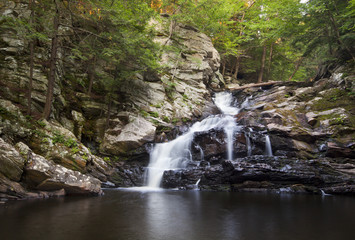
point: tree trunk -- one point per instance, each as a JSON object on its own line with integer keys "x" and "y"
{"x": 29, "y": 93}
{"x": 269, "y": 63}
{"x": 260, "y": 78}
{"x": 52, "y": 65}
{"x": 237, "y": 65}
{"x": 223, "y": 66}
{"x": 338, "y": 35}
{"x": 91, "y": 73}
{"x": 298, "y": 64}
{"x": 108, "y": 113}
{"x": 330, "y": 48}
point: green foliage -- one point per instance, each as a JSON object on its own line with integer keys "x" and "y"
{"x": 157, "y": 105}
{"x": 118, "y": 37}
{"x": 4, "y": 113}
{"x": 75, "y": 150}
{"x": 335, "y": 98}
{"x": 166, "y": 119}
{"x": 327, "y": 30}
{"x": 154, "y": 114}
{"x": 58, "y": 138}
{"x": 39, "y": 133}
{"x": 71, "y": 143}
{"x": 85, "y": 157}
{"x": 41, "y": 123}
{"x": 144, "y": 113}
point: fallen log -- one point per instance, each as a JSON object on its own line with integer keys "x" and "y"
{"x": 252, "y": 85}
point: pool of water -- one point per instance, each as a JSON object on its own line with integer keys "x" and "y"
{"x": 188, "y": 215}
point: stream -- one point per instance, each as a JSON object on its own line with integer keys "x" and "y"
{"x": 173, "y": 215}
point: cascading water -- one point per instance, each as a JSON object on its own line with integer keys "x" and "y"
{"x": 224, "y": 101}
{"x": 268, "y": 149}
{"x": 176, "y": 153}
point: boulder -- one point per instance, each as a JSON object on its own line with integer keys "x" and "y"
{"x": 11, "y": 161}
{"x": 262, "y": 173}
{"x": 133, "y": 135}
{"x": 41, "y": 174}
{"x": 335, "y": 149}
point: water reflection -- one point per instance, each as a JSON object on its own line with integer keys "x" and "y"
{"x": 177, "y": 215}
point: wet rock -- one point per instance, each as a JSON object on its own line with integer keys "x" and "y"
{"x": 261, "y": 173}
{"x": 132, "y": 136}
{"x": 340, "y": 150}
{"x": 41, "y": 174}
{"x": 278, "y": 128}
{"x": 128, "y": 175}
{"x": 11, "y": 190}
{"x": 340, "y": 189}
{"x": 79, "y": 121}
{"x": 11, "y": 162}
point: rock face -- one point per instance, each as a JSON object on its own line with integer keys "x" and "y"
{"x": 146, "y": 108}
{"x": 304, "y": 121}
{"x": 310, "y": 129}
{"x": 41, "y": 174}
{"x": 11, "y": 161}
{"x": 275, "y": 174}
{"x": 133, "y": 135}
{"x": 179, "y": 93}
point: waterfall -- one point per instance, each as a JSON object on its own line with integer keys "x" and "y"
{"x": 224, "y": 101}
{"x": 197, "y": 182}
{"x": 268, "y": 149}
{"x": 248, "y": 144}
{"x": 176, "y": 153}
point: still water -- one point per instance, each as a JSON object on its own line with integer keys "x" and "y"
{"x": 188, "y": 215}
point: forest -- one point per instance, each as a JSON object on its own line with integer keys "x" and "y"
{"x": 177, "y": 119}
{"x": 257, "y": 41}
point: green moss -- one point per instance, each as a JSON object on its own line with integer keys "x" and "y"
{"x": 185, "y": 120}
{"x": 174, "y": 120}
{"x": 156, "y": 105}
{"x": 58, "y": 138}
{"x": 41, "y": 123}
{"x": 71, "y": 143}
{"x": 155, "y": 121}
{"x": 144, "y": 113}
{"x": 335, "y": 98}
{"x": 5, "y": 114}
{"x": 166, "y": 119}
{"x": 163, "y": 129}
{"x": 39, "y": 133}
{"x": 75, "y": 150}
{"x": 154, "y": 114}
{"x": 85, "y": 157}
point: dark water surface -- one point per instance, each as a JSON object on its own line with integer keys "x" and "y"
{"x": 188, "y": 215}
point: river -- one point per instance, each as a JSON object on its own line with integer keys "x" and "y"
{"x": 172, "y": 215}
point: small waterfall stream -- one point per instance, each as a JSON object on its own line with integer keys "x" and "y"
{"x": 268, "y": 149}
{"x": 177, "y": 154}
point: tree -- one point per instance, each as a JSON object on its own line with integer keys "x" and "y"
{"x": 52, "y": 62}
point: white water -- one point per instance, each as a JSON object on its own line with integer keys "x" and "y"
{"x": 248, "y": 144}
{"x": 176, "y": 153}
{"x": 196, "y": 184}
{"x": 224, "y": 101}
{"x": 268, "y": 149}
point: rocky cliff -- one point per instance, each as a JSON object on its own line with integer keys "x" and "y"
{"x": 87, "y": 140}
{"x": 90, "y": 142}
{"x": 311, "y": 131}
